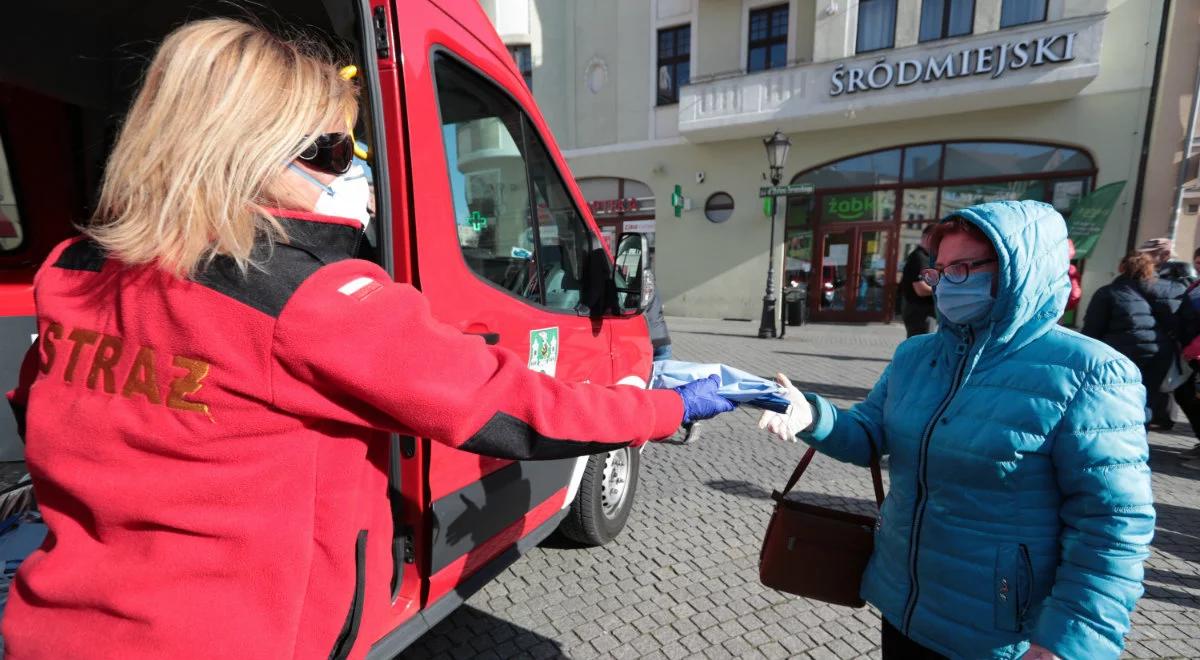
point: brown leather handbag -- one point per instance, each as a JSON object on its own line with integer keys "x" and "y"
{"x": 816, "y": 552}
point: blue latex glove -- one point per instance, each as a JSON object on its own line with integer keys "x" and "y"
{"x": 701, "y": 401}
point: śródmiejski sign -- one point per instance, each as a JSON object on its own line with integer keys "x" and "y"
{"x": 990, "y": 60}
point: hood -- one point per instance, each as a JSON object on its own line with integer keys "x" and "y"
{"x": 1032, "y": 284}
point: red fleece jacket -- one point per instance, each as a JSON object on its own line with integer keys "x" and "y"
{"x": 198, "y": 448}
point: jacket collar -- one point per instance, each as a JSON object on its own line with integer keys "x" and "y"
{"x": 329, "y": 238}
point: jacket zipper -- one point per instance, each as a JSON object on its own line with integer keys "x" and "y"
{"x": 964, "y": 351}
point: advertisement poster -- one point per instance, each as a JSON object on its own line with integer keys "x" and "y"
{"x": 1089, "y": 216}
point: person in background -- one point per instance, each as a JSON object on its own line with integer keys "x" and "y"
{"x": 1020, "y": 509}
{"x": 1132, "y": 315}
{"x": 213, "y": 367}
{"x": 1196, "y": 260}
{"x": 1073, "y": 275}
{"x": 1175, "y": 276}
{"x": 919, "y": 317}
{"x": 1187, "y": 323}
{"x": 660, "y": 340}
{"x": 1167, "y": 265}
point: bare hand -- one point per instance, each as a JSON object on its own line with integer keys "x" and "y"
{"x": 1036, "y": 652}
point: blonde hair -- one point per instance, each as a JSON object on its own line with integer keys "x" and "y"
{"x": 224, "y": 107}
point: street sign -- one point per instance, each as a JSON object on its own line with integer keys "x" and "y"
{"x": 677, "y": 200}
{"x": 780, "y": 191}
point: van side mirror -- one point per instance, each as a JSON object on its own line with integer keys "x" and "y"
{"x": 631, "y": 275}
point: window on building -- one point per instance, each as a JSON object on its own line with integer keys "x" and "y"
{"x": 674, "y": 62}
{"x": 523, "y": 56}
{"x": 876, "y": 25}
{"x": 518, "y": 226}
{"x": 11, "y": 234}
{"x": 1021, "y": 12}
{"x": 768, "y": 34}
{"x": 942, "y": 19}
{"x": 719, "y": 207}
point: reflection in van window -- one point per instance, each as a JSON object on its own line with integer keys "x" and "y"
{"x": 534, "y": 245}
{"x": 11, "y": 234}
{"x": 481, "y": 130}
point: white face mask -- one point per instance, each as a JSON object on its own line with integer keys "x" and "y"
{"x": 345, "y": 196}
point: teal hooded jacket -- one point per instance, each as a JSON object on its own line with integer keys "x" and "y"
{"x": 1019, "y": 506}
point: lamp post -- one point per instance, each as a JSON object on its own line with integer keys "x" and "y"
{"x": 777, "y": 152}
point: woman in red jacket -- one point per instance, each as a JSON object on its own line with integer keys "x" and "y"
{"x": 212, "y": 364}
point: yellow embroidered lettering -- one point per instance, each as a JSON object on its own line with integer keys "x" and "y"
{"x": 188, "y": 384}
{"x": 142, "y": 379}
{"x": 82, "y": 338}
{"x": 108, "y": 352}
{"x": 49, "y": 350}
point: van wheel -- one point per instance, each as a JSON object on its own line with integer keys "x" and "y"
{"x": 605, "y": 497}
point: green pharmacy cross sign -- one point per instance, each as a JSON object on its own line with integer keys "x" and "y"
{"x": 477, "y": 221}
{"x": 677, "y": 200}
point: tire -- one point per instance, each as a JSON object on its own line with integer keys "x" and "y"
{"x": 597, "y": 517}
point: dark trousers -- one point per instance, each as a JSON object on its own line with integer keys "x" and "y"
{"x": 898, "y": 647}
{"x": 1154, "y": 370}
{"x": 1185, "y": 396}
{"x": 918, "y": 319}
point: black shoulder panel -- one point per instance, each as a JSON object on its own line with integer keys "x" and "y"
{"x": 84, "y": 255}
{"x": 283, "y": 267}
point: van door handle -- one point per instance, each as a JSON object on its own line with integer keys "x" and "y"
{"x": 489, "y": 338}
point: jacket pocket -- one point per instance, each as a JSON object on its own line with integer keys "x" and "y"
{"x": 346, "y": 638}
{"x": 1010, "y": 586}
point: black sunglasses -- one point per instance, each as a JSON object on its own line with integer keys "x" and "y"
{"x": 955, "y": 273}
{"x": 331, "y": 152}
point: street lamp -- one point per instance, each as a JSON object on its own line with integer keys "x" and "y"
{"x": 777, "y": 152}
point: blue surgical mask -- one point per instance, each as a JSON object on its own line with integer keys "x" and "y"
{"x": 966, "y": 302}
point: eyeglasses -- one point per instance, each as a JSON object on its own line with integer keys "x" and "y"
{"x": 331, "y": 152}
{"x": 955, "y": 273}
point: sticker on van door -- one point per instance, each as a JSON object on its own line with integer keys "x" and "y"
{"x": 543, "y": 350}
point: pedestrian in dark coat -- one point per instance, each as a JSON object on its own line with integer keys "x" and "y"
{"x": 1134, "y": 315}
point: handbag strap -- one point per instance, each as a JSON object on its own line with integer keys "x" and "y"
{"x": 876, "y": 475}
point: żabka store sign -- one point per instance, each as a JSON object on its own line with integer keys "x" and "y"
{"x": 992, "y": 61}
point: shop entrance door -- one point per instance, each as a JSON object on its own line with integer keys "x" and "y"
{"x": 855, "y": 273}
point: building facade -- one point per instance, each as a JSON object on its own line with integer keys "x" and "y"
{"x": 898, "y": 111}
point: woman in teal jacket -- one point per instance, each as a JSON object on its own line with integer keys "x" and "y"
{"x": 1020, "y": 508}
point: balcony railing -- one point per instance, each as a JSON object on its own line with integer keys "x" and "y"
{"x": 1037, "y": 63}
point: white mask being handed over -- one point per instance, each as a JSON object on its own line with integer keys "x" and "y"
{"x": 344, "y": 197}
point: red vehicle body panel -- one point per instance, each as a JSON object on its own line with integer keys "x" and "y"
{"x": 431, "y": 481}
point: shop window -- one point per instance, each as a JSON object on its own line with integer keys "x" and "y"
{"x": 719, "y": 207}
{"x": 11, "y": 233}
{"x": 942, "y": 19}
{"x": 920, "y": 205}
{"x": 977, "y": 160}
{"x": 868, "y": 206}
{"x": 923, "y": 163}
{"x": 674, "y": 62}
{"x": 768, "y": 33}
{"x": 876, "y": 25}
{"x": 879, "y": 168}
{"x": 956, "y": 198}
{"x": 1022, "y": 12}
{"x": 495, "y": 156}
{"x": 523, "y": 56}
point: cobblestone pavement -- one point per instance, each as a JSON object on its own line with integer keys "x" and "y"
{"x": 682, "y": 580}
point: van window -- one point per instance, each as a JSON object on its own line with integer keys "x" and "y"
{"x": 11, "y": 234}
{"x": 518, "y": 226}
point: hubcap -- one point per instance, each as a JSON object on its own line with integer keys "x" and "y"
{"x": 615, "y": 484}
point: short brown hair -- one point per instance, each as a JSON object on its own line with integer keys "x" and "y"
{"x": 956, "y": 225}
{"x": 1139, "y": 266}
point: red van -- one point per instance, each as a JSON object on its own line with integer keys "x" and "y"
{"x": 474, "y": 205}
